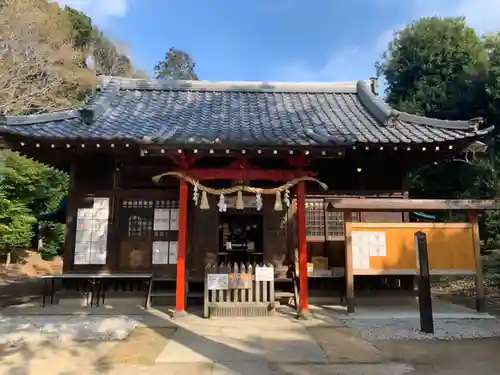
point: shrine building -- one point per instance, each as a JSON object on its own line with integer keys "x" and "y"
{"x": 169, "y": 176}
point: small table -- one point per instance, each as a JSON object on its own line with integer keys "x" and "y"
{"x": 97, "y": 281}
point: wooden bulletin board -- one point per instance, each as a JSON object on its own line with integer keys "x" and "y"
{"x": 450, "y": 248}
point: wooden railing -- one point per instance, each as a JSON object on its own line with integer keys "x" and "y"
{"x": 238, "y": 290}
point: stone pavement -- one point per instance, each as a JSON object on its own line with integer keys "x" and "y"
{"x": 244, "y": 346}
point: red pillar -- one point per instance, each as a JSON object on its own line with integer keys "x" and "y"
{"x": 302, "y": 245}
{"x": 180, "y": 293}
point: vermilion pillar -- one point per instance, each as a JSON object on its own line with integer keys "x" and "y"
{"x": 302, "y": 246}
{"x": 180, "y": 293}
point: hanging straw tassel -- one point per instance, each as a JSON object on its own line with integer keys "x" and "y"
{"x": 240, "y": 204}
{"x": 278, "y": 206}
{"x": 204, "y": 201}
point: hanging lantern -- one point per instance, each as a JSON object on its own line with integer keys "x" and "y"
{"x": 204, "y": 201}
{"x": 278, "y": 206}
{"x": 240, "y": 204}
{"x": 258, "y": 202}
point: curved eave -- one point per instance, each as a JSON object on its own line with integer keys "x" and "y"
{"x": 389, "y": 116}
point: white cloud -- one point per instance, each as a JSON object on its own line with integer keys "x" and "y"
{"x": 100, "y": 11}
{"x": 356, "y": 62}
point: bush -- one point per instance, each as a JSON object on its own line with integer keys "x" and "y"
{"x": 53, "y": 235}
{"x": 15, "y": 225}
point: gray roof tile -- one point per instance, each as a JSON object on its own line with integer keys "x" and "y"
{"x": 239, "y": 114}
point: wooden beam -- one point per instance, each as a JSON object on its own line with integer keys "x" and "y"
{"x": 245, "y": 174}
{"x": 402, "y": 205}
{"x": 480, "y": 297}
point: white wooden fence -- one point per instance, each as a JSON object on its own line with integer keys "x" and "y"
{"x": 238, "y": 290}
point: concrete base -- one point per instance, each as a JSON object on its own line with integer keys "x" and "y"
{"x": 304, "y": 314}
{"x": 176, "y": 314}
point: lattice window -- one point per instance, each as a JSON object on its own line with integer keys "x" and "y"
{"x": 139, "y": 221}
{"x": 137, "y": 203}
{"x": 336, "y": 223}
{"x": 139, "y": 226}
{"x": 315, "y": 219}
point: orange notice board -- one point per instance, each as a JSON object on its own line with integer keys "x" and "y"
{"x": 450, "y": 248}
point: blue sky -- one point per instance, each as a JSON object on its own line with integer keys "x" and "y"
{"x": 272, "y": 40}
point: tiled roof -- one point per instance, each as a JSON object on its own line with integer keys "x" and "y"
{"x": 238, "y": 114}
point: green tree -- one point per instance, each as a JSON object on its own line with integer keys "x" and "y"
{"x": 436, "y": 67}
{"x": 82, "y": 30}
{"x": 492, "y": 46}
{"x": 439, "y": 67}
{"x": 39, "y": 189}
{"x": 176, "y": 65}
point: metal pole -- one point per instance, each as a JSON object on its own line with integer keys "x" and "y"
{"x": 424, "y": 284}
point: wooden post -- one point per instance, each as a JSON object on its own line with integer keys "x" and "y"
{"x": 480, "y": 299}
{"x": 181, "y": 250}
{"x": 424, "y": 284}
{"x": 325, "y": 228}
{"x": 302, "y": 246}
{"x": 71, "y": 209}
{"x": 349, "y": 275}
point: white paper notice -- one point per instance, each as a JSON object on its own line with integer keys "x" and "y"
{"x": 264, "y": 273}
{"x": 377, "y": 244}
{"x": 174, "y": 219}
{"x": 82, "y": 254}
{"x": 161, "y": 219}
{"x": 172, "y": 253}
{"x": 85, "y": 213}
{"x": 160, "y": 252}
{"x": 101, "y": 208}
{"x": 217, "y": 281}
{"x": 360, "y": 250}
{"x": 91, "y": 233}
{"x": 97, "y": 256}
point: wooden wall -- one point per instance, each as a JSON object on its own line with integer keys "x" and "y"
{"x": 103, "y": 175}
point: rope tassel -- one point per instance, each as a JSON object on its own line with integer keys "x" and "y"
{"x": 204, "y": 201}
{"x": 240, "y": 204}
{"x": 278, "y": 206}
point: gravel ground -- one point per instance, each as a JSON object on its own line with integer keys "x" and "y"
{"x": 409, "y": 329}
{"x": 78, "y": 328}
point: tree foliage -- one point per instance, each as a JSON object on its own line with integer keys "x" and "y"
{"x": 15, "y": 225}
{"x": 106, "y": 56}
{"x": 39, "y": 187}
{"x": 436, "y": 67}
{"x": 40, "y": 69}
{"x": 33, "y": 188}
{"x": 440, "y": 67}
{"x": 176, "y": 65}
{"x": 43, "y": 55}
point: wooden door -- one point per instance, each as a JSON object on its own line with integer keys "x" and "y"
{"x": 136, "y": 219}
{"x": 139, "y": 237}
